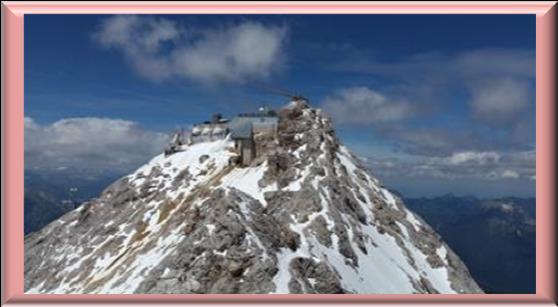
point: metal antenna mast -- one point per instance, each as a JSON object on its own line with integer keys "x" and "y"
{"x": 281, "y": 92}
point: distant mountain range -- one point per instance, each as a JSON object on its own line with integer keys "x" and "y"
{"x": 494, "y": 237}
{"x": 50, "y": 194}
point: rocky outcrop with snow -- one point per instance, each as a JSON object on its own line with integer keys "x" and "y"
{"x": 304, "y": 217}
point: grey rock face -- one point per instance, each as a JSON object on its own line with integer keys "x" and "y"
{"x": 305, "y": 217}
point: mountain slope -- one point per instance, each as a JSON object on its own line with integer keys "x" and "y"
{"x": 303, "y": 217}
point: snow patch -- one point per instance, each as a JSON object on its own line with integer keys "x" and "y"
{"x": 247, "y": 179}
{"x": 414, "y": 221}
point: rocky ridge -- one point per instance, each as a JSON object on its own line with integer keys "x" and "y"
{"x": 304, "y": 217}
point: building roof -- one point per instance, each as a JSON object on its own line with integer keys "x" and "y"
{"x": 240, "y": 128}
{"x": 263, "y": 112}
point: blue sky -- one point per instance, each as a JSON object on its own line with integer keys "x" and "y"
{"x": 433, "y": 104}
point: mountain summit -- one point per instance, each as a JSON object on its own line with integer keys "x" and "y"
{"x": 286, "y": 211}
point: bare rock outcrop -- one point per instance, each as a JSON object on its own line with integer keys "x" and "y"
{"x": 305, "y": 217}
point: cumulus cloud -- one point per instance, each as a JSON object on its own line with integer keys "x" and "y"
{"x": 422, "y": 141}
{"x": 491, "y": 88}
{"x": 436, "y": 141}
{"x": 161, "y": 49}
{"x": 509, "y": 174}
{"x": 470, "y": 165}
{"x": 500, "y": 99}
{"x": 89, "y": 143}
{"x": 495, "y": 62}
{"x": 498, "y": 81}
{"x": 362, "y": 105}
{"x": 469, "y": 157}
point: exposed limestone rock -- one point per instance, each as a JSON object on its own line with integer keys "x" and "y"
{"x": 304, "y": 217}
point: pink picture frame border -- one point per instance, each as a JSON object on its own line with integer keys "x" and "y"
{"x": 13, "y": 141}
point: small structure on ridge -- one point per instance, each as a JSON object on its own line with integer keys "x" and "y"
{"x": 244, "y": 129}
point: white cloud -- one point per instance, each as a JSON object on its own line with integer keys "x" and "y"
{"x": 480, "y": 158}
{"x": 510, "y": 174}
{"x": 89, "y": 143}
{"x": 29, "y": 123}
{"x": 495, "y": 61}
{"x": 467, "y": 165}
{"x": 361, "y": 105}
{"x": 423, "y": 141}
{"x": 500, "y": 99}
{"x": 499, "y": 81}
{"x": 160, "y": 49}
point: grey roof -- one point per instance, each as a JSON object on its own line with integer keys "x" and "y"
{"x": 240, "y": 128}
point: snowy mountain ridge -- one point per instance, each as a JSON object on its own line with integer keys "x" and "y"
{"x": 303, "y": 217}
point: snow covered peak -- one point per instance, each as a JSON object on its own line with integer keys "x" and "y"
{"x": 303, "y": 216}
